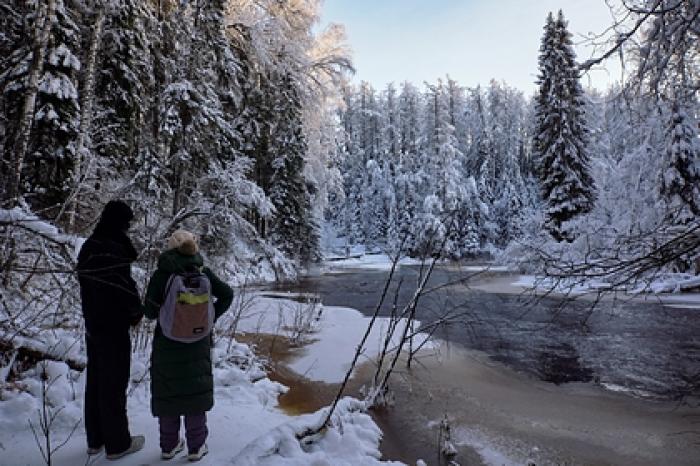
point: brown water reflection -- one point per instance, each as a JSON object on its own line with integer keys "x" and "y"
{"x": 306, "y": 396}
{"x": 500, "y": 416}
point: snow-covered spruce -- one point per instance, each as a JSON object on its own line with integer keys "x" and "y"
{"x": 560, "y": 131}
{"x": 421, "y": 165}
{"x": 680, "y": 176}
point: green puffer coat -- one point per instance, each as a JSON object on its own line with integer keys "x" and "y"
{"x": 181, "y": 373}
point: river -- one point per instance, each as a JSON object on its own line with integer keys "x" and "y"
{"x": 528, "y": 379}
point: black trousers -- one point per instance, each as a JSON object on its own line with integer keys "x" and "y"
{"x": 109, "y": 361}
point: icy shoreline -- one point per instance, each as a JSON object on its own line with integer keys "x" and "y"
{"x": 247, "y": 426}
{"x": 669, "y": 291}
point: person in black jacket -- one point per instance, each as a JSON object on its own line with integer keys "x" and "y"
{"x": 111, "y": 305}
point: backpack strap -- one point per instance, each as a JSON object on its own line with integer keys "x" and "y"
{"x": 168, "y": 285}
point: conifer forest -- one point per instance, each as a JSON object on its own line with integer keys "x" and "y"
{"x": 249, "y": 123}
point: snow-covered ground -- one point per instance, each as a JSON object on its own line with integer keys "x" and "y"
{"x": 485, "y": 268}
{"x": 378, "y": 261}
{"x": 330, "y": 338}
{"x": 381, "y": 261}
{"x": 667, "y": 290}
{"x": 246, "y": 425}
{"x": 244, "y": 410}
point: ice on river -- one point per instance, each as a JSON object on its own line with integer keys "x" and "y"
{"x": 332, "y": 337}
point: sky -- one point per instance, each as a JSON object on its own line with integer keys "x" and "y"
{"x": 471, "y": 40}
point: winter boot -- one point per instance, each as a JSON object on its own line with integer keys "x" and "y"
{"x": 95, "y": 451}
{"x": 198, "y": 454}
{"x": 167, "y": 455}
{"x": 137, "y": 442}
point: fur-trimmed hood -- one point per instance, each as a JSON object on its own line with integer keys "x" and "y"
{"x": 184, "y": 241}
{"x": 173, "y": 261}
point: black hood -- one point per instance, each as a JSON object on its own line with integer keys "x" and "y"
{"x": 113, "y": 224}
{"x": 116, "y": 216}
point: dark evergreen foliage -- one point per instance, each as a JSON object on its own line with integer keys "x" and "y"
{"x": 294, "y": 230}
{"x": 124, "y": 83}
{"x": 51, "y": 153}
{"x": 680, "y": 176}
{"x": 199, "y": 119}
{"x": 560, "y": 134}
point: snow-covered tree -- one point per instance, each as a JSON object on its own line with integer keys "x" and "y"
{"x": 680, "y": 175}
{"x": 560, "y": 137}
{"x": 409, "y": 173}
{"x": 50, "y": 158}
{"x": 40, "y": 96}
{"x": 294, "y": 227}
{"x": 124, "y": 85}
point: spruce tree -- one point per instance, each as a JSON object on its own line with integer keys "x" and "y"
{"x": 353, "y": 168}
{"x": 294, "y": 227}
{"x": 124, "y": 82}
{"x": 407, "y": 182}
{"x": 16, "y": 36}
{"x": 561, "y": 133}
{"x": 680, "y": 175}
{"x": 52, "y": 151}
{"x": 40, "y": 100}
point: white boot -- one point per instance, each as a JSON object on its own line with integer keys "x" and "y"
{"x": 167, "y": 455}
{"x": 137, "y": 442}
{"x": 196, "y": 456}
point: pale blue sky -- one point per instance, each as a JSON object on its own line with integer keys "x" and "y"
{"x": 472, "y": 40}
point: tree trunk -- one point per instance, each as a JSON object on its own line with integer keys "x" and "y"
{"x": 86, "y": 104}
{"x": 41, "y": 39}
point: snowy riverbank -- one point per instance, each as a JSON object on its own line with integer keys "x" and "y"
{"x": 669, "y": 290}
{"x": 247, "y": 426}
{"x": 327, "y": 336}
{"x": 502, "y": 416}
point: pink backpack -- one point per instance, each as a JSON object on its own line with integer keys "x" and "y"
{"x": 187, "y": 313}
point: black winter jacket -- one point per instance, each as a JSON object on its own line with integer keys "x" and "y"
{"x": 109, "y": 295}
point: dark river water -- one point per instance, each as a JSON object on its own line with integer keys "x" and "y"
{"x": 643, "y": 349}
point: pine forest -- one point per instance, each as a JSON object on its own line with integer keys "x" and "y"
{"x": 355, "y": 228}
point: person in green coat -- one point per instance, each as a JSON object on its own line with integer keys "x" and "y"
{"x": 182, "y": 384}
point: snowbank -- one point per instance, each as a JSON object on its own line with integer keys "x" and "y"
{"x": 364, "y": 261}
{"x": 351, "y": 440}
{"x": 246, "y": 416}
{"x": 668, "y": 289}
{"x": 245, "y": 408}
{"x": 486, "y": 268}
{"x": 371, "y": 261}
{"x": 246, "y": 426}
